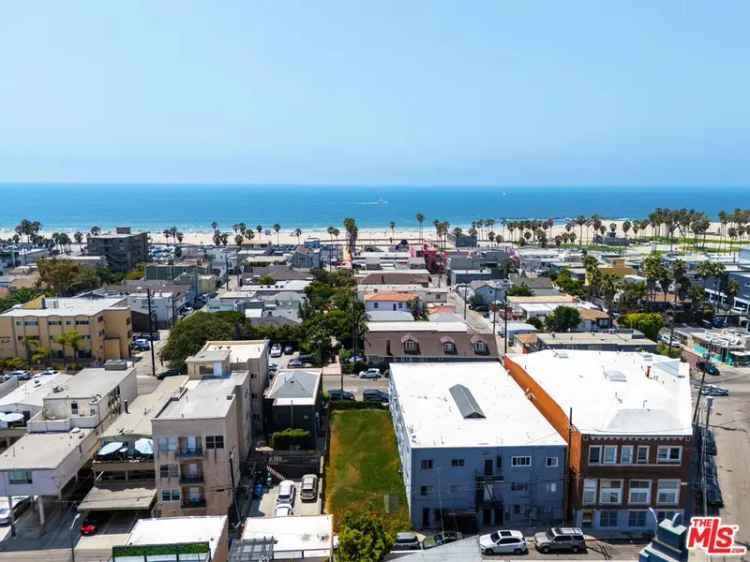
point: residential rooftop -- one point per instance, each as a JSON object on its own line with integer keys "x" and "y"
{"x": 137, "y": 420}
{"x": 622, "y": 339}
{"x": 204, "y": 398}
{"x": 33, "y": 392}
{"x": 425, "y": 397}
{"x": 241, "y": 350}
{"x": 40, "y": 451}
{"x": 176, "y": 530}
{"x": 543, "y": 299}
{"x": 91, "y": 382}
{"x": 615, "y": 393}
{"x": 73, "y": 306}
{"x": 390, "y": 297}
{"x": 294, "y": 387}
{"x": 301, "y": 533}
{"x": 428, "y": 326}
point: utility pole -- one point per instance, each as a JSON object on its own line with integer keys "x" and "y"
{"x": 700, "y": 395}
{"x": 151, "y": 332}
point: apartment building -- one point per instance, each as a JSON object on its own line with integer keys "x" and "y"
{"x": 122, "y": 249}
{"x": 104, "y": 324}
{"x": 627, "y": 419}
{"x": 205, "y": 432}
{"x": 474, "y": 452}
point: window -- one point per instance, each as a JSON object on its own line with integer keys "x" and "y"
{"x": 636, "y": 518}
{"x": 481, "y": 348}
{"x": 608, "y": 519}
{"x": 449, "y": 348}
{"x": 214, "y": 441}
{"x": 426, "y": 464}
{"x": 167, "y": 444}
{"x": 457, "y": 462}
{"x": 551, "y": 487}
{"x": 519, "y": 486}
{"x": 499, "y": 462}
{"x": 520, "y": 461}
{"x": 587, "y": 518}
{"x": 595, "y": 454}
{"x": 411, "y": 346}
{"x": 74, "y": 408}
{"x": 589, "y": 491}
{"x": 31, "y": 323}
{"x": 168, "y": 471}
{"x": 610, "y": 454}
{"x": 669, "y": 455}
{"x": 668, "y": 492}
{"x": 551, "y": 462}
{"x": 82, "y": 322}
{"x": 640, "y": 491}
{"x": 170, "y": 495}
{"x": 626, "y": 454}
{"x": 425, "y": 490}
{"x": 661, "y": 515}
{"x": 610, "y": 492}
{"x": 53, "y": 322}
{"x": 19, "y": 477}
{"x": 376, "y": 305}
{"x": 642, "y": 456}
{"x": 516, "y": 509}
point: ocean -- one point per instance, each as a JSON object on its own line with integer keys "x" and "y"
{"x": 193, "y": 207}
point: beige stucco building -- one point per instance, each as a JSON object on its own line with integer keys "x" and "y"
{"x": 104, "y": 324}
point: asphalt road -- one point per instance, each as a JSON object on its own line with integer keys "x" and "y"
{"x": 730, "y": 421}
{"x": 354, "y": 384}
{"x": 474, "y": 319}
{"x": 143, "y": 368}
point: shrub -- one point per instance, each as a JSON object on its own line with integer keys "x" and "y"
{"x": 291, "y": 439}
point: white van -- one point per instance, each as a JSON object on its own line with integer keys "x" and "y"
{"x": 287, "y": 492}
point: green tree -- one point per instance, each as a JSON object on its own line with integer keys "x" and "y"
{"x": 190, "y": 334}
{"x": 266, "y": 280}
{"x": 420, "y": 221}
{"x": 647, "y": 322}
{"x": 72, "y": 340}
{"x": 276, "y": 228}
{"x": 563, "y": 319}
{"x": 521, "y": 290}
{"x": 363, "y": 538}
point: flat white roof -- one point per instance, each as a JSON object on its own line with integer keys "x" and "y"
{"x": 174, "y": 530}
{"x": 433, "y": 418}
{"x": 204, "y": 399}
{"x": 68, "y": 307}
{"x": 429, "y": 326}
{"x": 241, "y": 351}
{"x": 296, "y": 533}
{"x": 90, "y": 382}
{"x": 610, "y": 392}
{"x": 41, "y": 451}
{"x": 33, "y": 392}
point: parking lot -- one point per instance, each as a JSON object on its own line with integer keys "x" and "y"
{"x": 265, "y": 506}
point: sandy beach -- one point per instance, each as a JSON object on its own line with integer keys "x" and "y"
{"x": 376, "y": 235}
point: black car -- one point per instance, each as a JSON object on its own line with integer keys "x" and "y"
{"x": 708, "y": 367}
{"x": 288, "y": 349}
{"x": 168, "y": 373}
{"x": 406, "y": 541}
{"x": 340, "y": 395}
{"x": 374, "y": 395}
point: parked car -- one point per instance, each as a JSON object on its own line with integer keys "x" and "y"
{"x": 309, "y": 490}
{"x": 142, "y": 344}
{"x": 441, "y": 538}
{"x": 20, "y": 375}
{"x": 406, "y": 541}
{"x": 708, "y": 367}
{"x": 288, "y": 349}
{"x": 287, "y": 493}
{"x": 92, "y": 523}
{"x": 370, "y": 374}
{"x": 275, "y": 350}
{"x": 168, "y": 373}
{"x": 295, "y": 364}
{"x": 375, "y": 395}
{"x": 357, "y": 359}
{"x": 283, "y": 510}
{"x": 49, "y": 371}
{"x": 560, "y": 539}
{"x": 20, "y": 504}
{"x": 713, "y": 390}
{"x": 503, "y": 542}
{"x": 340, "y": 395}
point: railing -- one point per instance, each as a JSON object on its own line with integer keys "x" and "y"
{"x": 190, "y": 453}
{"x": 193, "y": 502}
{"x": 191, "y": 479}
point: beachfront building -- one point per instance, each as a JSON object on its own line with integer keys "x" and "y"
{"x": 474, "y": 452}
{"x": 122, "y": 248}
{"x": 627, "y": 418}
{"x": 103, "y": 324}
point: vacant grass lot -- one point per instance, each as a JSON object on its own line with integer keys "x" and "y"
{"x": 364, "y": 466}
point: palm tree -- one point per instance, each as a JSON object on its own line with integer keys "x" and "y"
{"x": 259, "y": 228}
{"x": 95, "y": 231}
{"x": 276, "y": 228}
{"x": 580, "y": 220}
{"x": 350, "y": 225}
{"x": 180, "y": 236}
{"x": 214, "y": 225}
{"x": 392, "y": 226}
{"x": 239, "y": 239}
{"x": 78, "y": 237}
{"x": 297, "y": 232}
{"x": 71, "y": 339}
{"x": 420, "y": 220}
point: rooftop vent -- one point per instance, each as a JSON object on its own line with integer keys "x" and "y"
{"x": 616, "y": 376}
{"x": 465, "y": 401}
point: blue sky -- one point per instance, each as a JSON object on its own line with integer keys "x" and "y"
{"x": 419, "y": 92}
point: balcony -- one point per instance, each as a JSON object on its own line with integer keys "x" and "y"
{"x": 193, "y": 453}
{"x": 191, "y": 479}
{"x": 189, "y": 503}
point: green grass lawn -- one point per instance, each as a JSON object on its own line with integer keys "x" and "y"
{"x": 364, "y": 466}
